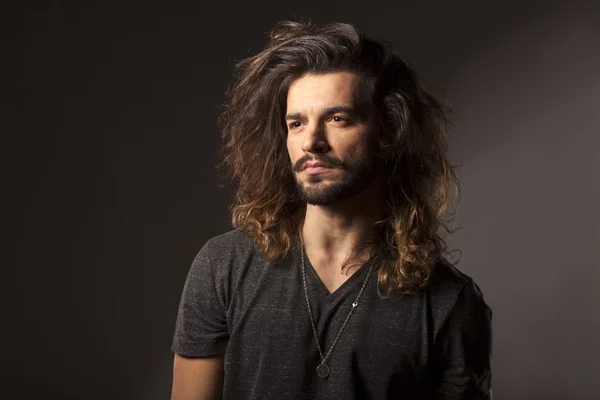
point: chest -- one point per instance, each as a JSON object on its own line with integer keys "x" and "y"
{"x": 332, "y": 278}
{"x": 380, "y": 337}
{"x": 331, "y": 274}
{"x": 379, "y": 350}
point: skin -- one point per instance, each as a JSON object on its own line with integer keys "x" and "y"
{"x": 343, "y": 203}
{"x": 199, "y": 378}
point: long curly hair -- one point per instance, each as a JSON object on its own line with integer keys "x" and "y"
{"x": 419, "y": 181}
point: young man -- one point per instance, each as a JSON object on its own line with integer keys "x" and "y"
{"x": 333, "y": 284}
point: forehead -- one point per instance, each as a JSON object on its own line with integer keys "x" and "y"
{"x": 316, "y": 91}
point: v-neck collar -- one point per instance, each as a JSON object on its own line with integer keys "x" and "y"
{"x": 357, "y": 278}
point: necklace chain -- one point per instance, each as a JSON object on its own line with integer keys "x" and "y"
{"x": 323, "y": 369}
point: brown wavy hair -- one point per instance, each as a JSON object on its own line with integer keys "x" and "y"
{"x": 419, "y": 179}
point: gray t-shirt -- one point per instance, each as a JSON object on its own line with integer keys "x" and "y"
{"x": 409, "y": 346}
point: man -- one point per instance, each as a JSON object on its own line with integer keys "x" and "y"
{"x": 333, "y": 284}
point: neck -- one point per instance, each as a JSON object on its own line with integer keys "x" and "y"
{"x": 341, "y": 231}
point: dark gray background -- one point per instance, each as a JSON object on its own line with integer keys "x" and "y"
{"x": 110, "y": 144}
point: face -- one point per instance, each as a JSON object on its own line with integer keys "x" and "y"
{"x": 330, "y": 121}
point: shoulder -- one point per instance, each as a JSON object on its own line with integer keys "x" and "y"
{"x": 227, "y": 260}
{"x": 232, "y": 254}
{"x": 448, "y": 282}
{"x": 453, "y": 291}
{"x": 233, "y": 237}
{"x": 231, "y": 245}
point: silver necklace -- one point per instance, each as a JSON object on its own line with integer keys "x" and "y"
{"x": 323, "y": 368}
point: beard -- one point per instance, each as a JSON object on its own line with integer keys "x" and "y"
{"x": 320, "y": 190}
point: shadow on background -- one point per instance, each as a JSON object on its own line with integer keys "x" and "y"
{"x": 527, "y": 135}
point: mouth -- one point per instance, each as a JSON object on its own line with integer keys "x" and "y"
{"x": 316, "y": 170}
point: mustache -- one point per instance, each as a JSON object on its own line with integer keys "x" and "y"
{"x": 327, "y": 161}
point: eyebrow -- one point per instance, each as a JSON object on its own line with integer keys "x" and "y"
{"x": 328, "y": 111}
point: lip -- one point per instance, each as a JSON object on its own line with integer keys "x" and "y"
{"x": 315, "y": 170}
{"x": 313, "y": 164}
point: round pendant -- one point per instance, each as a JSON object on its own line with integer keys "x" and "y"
{"x": 323, "y": 370}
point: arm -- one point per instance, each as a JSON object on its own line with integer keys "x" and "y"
{"x": 201, "y": 335}
{"x": 464, "y": 348}
{"x": 197, "y": 378}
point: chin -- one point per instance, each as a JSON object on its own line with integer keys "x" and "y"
{"x": 321, "y": 191}
{"x": 330, "y": 195}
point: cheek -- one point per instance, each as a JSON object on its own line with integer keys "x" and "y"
{"x": 355, "y": 150}
{"x": 359, "y": 152}
{"x": 291, "y": 149}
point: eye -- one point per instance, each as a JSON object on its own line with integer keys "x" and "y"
{"x": 295, "y": 124}
{"x": 341, "y": 121}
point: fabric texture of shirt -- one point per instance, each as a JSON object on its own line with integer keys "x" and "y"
{"x": 236, "y": 303}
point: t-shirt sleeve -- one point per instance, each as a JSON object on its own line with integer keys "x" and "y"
{"x": 464, "y": 345}
{"x": 201, "y": 327}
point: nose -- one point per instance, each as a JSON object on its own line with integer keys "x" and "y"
{"x": 315, "y": 139}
